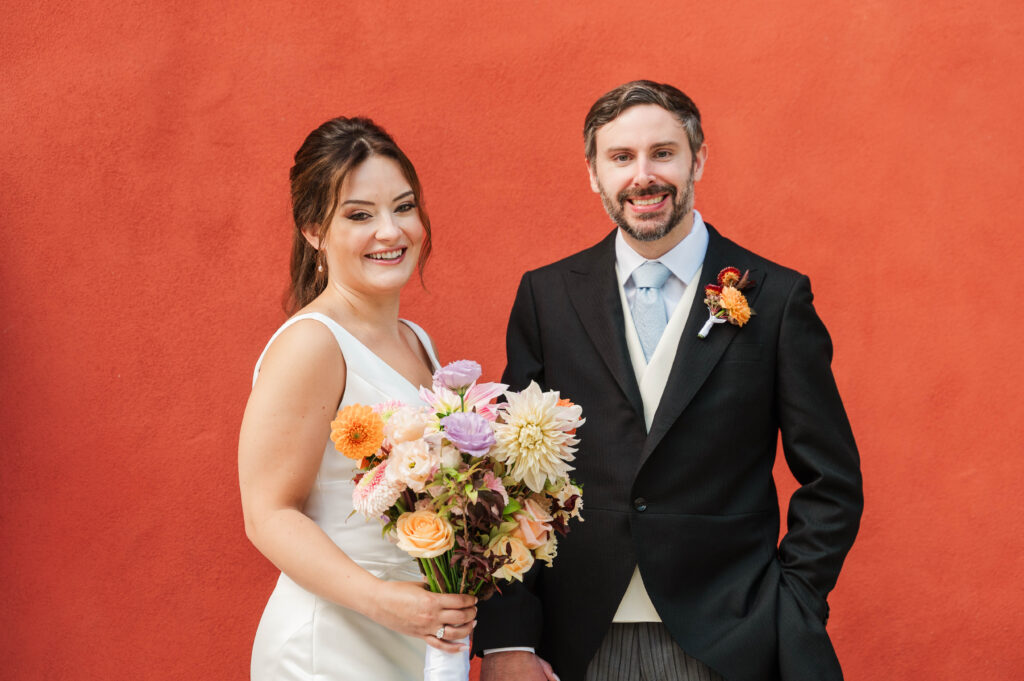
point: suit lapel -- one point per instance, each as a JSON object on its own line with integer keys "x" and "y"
{"x": 696, "y": 357}
{"x": 594, "y": 293}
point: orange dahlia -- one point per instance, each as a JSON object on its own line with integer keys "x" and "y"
{"x": 735, "y": 304}
{"x": 357, "y": 432}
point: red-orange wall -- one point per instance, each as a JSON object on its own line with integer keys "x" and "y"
{"x": 144, "y": 150}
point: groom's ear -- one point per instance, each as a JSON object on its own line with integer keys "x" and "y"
{"x": 312, "y": 234}
{"x": 593, "y": 177}
{"x": 698, "y": 162}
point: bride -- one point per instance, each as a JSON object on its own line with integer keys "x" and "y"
{"x": 348, "y": 603}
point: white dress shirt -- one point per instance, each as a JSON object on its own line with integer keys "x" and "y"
{"x": 683, "y": 261}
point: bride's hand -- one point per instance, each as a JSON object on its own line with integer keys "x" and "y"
{"x": 408, "y": 608}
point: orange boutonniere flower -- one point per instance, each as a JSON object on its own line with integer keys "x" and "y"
{"x": 725, "y": 300}
{"x": 357, "y": 432}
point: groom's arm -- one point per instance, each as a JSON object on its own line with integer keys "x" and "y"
{"x": 824, "y": 513}
{"x": 523, "y": 352}
{"x": 514, "y": 618}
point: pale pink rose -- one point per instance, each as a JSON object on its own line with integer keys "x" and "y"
{"x": 406, "y": 424}
{"x": 522, "y": 559}
{"x": 534, "y": 524}
{"x": 424, "y": 534}
{"x": 413, "y": 463}
{"x": 450, "y": 456}
{"x": 548, "y": 551}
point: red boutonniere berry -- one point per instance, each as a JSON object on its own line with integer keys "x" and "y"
{"x": 725, "y": 300}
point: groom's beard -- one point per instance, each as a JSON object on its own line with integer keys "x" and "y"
{"x": 653, "y": 226}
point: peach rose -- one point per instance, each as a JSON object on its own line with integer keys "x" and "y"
{"x": 424, "y": 534}
{"x": 522, "y": 559}
{"x": 534, "y": 524}
{"x": 405, "y": 424}
{"x": 413, "y": 463}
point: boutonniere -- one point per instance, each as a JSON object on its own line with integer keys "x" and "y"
{"x": 725, "y": 300}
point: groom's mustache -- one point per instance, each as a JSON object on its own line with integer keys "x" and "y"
{"x": 653, "y": 190}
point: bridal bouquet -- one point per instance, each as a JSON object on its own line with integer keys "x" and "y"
{"x": 477, "y": 492}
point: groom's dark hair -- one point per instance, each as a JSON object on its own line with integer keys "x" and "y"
{"x": 613, "y": 103}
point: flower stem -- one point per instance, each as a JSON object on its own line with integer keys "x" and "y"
{"x": 439, "y": 576}
{"x": 425, "y": 567}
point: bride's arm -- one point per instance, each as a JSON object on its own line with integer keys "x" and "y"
{"x": 284, "y": 430}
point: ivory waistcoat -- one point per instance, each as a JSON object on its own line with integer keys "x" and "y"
{"x": 636, "y": 605}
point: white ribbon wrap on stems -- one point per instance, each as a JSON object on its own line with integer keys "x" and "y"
{"x": 442, "y": 666}
{"x": 712, "y": 320}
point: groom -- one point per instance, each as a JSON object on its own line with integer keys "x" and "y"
{"x": 677, "y": 572}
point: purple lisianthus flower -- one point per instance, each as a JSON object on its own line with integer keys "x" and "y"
{"x": 470, "y": 432}
{"x": 458, "y": 375}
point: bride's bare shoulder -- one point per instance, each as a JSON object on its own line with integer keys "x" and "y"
{"x": 306, "y": 349}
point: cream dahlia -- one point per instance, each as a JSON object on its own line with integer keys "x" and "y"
{"x": 535, "y": 436}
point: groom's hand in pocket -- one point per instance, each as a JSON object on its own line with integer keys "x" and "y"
{"x": 515, "y": 665}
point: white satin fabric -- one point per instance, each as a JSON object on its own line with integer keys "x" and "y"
{"x": 301, "y": 636}
{"x": 442, "y": 666}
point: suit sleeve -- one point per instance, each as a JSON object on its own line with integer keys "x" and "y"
{"x": 824, "y": 512}
{"x": 523, "y": 353}
{"x": 514, "y": 618}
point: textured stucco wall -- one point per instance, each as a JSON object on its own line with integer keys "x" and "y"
{"x": 143, "y": 199}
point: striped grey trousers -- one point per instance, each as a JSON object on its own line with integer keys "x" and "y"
{"x": 644, "y": 651}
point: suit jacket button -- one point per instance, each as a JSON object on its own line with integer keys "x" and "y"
{"x": 640, "y": 504}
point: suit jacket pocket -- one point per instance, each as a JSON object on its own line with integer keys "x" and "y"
{"x": 805, "y": 651}
{"x": 743, "y": 352}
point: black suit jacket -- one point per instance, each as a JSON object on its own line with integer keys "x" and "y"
{"x": 693, "y": 502}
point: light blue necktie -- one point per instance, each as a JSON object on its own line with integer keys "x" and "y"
{"x": 648, "y": 305}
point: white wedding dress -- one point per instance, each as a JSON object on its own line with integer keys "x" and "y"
{"x": 302, "y": 636}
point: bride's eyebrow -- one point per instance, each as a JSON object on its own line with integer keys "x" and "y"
{"x": 370, "y": 203}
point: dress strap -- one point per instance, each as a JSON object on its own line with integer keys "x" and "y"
{"x": 336, "y": 329}
{"x": 425, "y": 342}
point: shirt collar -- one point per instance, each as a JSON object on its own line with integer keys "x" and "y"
{"x": 683, "y": 260}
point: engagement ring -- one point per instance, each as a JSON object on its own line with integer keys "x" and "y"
{"x": 439, "y": 634}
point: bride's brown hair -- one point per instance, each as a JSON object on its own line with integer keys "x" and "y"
{"x": 322, "y": 163}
